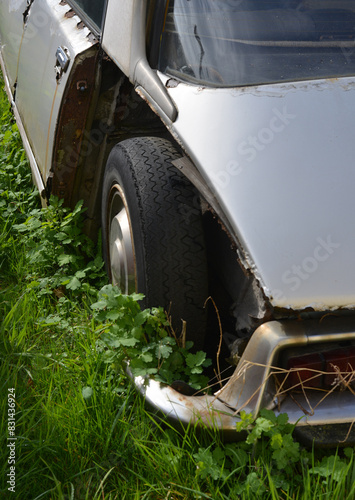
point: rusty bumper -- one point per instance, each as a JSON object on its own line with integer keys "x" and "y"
{"x": 252, "y": 386}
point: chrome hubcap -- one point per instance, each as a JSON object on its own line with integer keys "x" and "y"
{"x": 122, "y": 258}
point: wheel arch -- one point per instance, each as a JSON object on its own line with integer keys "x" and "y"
{"x": 114, "y": 113}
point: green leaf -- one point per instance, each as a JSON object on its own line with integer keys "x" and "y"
{"x": 63, "y": 238}
{"x": 193, "y": 360}
{"x": 262, "y": 425}
{"x": 128, "y": 341}
{"x": 206, "y": 465}
{"x": 331, "y": 466}
{"x": 349, "y": 452}
{"x": 286, "y": 450}
{"x": 255, "y": 483}
{"x": 33, "y": 284}
{"x": 163, "y": 351}
{"x": 238, "y": 455}
{"x": 137, "y": 296}
{"x": 176, "y": 361}
{"x": 113, "y": 315}
{"x": 101, "y": 304}
{"x": 64, "y": 259}
{"x": 74, "y": 284}
{"x": 139, "y": 368}
{"x": 198, "y": 381}
{"x": 141, "y": 317}
{"x": 147, "y": 357}
{"x": 270, "y": 415}
{"x": 87, "y": 393}
{"x": 7, "y": 137}
{"x": 111, "y": 340}
{"x": 246, "y": 420}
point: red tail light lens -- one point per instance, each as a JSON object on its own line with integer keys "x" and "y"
{"x": 319, "y": 370}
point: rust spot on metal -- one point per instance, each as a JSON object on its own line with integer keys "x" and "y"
{"x": 91, "y": 37}
{"x": 82, "y": 85}
{"x": 69, "y": 143}
{"x": 172, "y": 83}
{"x": 69, "y": 14}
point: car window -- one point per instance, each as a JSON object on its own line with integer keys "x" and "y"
{"x": 93, "y": 10}
{"x": 251, "y": 42}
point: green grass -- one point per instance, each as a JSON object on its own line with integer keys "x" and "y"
{"x": 82, "y": 431}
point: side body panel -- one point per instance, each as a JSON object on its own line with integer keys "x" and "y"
{"x": 11, "y": 35}
{"x": 124, "y": 41}
{"x": 279, "y": 159}
{"x": 119, "y": 27}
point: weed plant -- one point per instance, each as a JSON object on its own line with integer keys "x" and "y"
{"x": 82, "y": 432}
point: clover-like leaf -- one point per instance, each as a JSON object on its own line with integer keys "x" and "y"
{"x": 74, "y": 284}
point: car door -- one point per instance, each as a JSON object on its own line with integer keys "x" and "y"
{"x": 44, "y": 42}
{"x": 53, "y": 39}
{"x": 13, "y": 16}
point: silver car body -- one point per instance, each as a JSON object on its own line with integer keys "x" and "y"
{"x": 273, "y": 161}
{"x": 275, "y": 191}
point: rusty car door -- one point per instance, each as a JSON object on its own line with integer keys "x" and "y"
{"x": 52, "y": 41}
{"x": 43, "y": 42}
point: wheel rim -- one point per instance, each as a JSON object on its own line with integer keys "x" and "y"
{"x": 121, "y": 248}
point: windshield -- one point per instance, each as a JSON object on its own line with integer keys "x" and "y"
{"x": 248, "y": 42}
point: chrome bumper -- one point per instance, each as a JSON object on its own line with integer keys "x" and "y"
{"x": 252, "y": 386}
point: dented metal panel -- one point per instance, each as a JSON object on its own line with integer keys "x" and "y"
{"x": 252, "y": 386}
{"x": 203, "y": 409}
{"x": 279, "y": 159}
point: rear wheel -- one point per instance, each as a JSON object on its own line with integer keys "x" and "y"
{"x": 152, "y": 232}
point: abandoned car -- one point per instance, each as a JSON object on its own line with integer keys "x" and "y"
{"x": 212, "y": 141}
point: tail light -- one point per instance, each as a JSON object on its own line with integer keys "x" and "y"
{"x": 319, "y": 370}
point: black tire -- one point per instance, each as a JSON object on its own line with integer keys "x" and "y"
{"x": 165, "y": 232}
